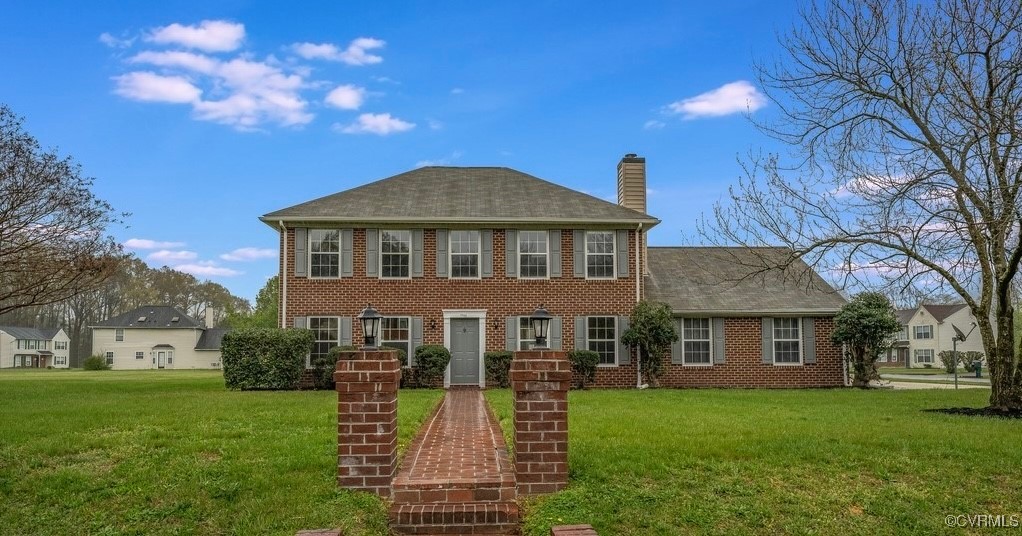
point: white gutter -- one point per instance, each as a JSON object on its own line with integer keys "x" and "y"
{"x": 638, "y": 298}
{"x": 283, "y": 276}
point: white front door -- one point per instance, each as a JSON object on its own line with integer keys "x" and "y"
{"x": 161, "y": 359}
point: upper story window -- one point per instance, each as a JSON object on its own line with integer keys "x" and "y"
{"x": 395, "y": 254}
{"x": 600, "y": 254}
{"x": 695, "y": 341}
{"x": 324, "y": 253}
{"x": 464, "y": 254}
{"x": 787, "y": 340}
{"x": 119, "y": 335}
{"x": 903, "y": 334}
{"x": 532, "y": 254}
{"x": 922, "y": 332}
{"x": 60, "y": 345}
{"x": 601, "y": 337}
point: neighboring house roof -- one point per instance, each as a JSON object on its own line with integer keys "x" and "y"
{"x": 460, "y": 194}
{"x": 941, "y": 312}
{"x": 151, "y": 316}
{"x": 42, "y": 334}
{"x": 210, "y": 339}
{"x": 904, "y": 315}
{"x": 714, "y": 280}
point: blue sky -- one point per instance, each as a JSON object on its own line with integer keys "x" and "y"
{"x": 197, "y": 118}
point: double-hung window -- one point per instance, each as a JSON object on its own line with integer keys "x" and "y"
{"x": 119, "y": 335}
{"x": 924, "y": 356}
{"x": 60, "y": 345}
{"x": 787, "y": 341}
{"x": 526, "y": 335}
{"x": 695, "y": 341}
{"x": 324, "y": 253}
{"x": 533, "y": 251}
{"x": 600, "y": 254}
{"x": 601, "y": 337}
{"x": 922, "y": 332}
{"x": 326, "y": 333}
{"x": 109, "y": 358}
{"x": 903, "y": 334}
{"x": 139, "y": 355}
{"x": 395, "y": 333}
{"x": 464, "y": 254}
{"x": 395, "y": 254}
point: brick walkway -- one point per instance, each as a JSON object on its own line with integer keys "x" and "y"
{"x": 456, "y": 477}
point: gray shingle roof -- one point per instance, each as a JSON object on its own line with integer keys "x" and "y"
{"x": 904, "y": 315}
{"x": 156, "y": 316}
{"x": 452, "y": 194}
{"x": 43, "y": 334}
{"x": 941, "y": 312}
{"x": 712, "y": 280}
{"x": 210, "y": 339}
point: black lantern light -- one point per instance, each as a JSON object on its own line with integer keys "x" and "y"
{"x": 370, "y": 322}
{"x": 540, "y": 321}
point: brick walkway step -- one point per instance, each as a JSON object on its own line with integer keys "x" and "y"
{"x": 455, "y": 518}
{"x": 457, "y": 477}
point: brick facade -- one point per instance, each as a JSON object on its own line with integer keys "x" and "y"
{"x": 566, "y": 296}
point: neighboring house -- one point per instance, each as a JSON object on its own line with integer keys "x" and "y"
{"x": 33, "y": 348}
{"x": 461, "y": 256}
{"x": 926, "y": 331}
{"x": 157, "y": 337}
{"x": 898, "y": 354}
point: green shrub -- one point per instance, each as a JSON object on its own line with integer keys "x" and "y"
{"x": 430, "y": 363}
{"x": 949, "y": 360}
{"x": 583, "y": 366}
{"x": 498, "y": 368}
{"x": 323, "y": 367}
{"x": 95, "y": 362}
{"x": 265, "y": 358}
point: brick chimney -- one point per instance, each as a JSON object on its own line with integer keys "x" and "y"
{"x": 631, "y": 182}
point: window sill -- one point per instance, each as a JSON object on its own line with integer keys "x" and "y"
{"x": 788, "y": 364}
{"x": 607, "y": 365}
{"x": 697, "y": 365}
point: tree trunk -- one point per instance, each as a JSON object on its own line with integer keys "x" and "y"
{"x": 1005, "y": 375}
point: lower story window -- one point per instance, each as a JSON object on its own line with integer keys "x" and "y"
{"x": 326, "y": 333}
{"x": 59, "y": 360}
{"x": 394, "y": 333}
{"x": 109, "y": 358}
{"x": 601, "y": 337}
{"x": 139, "y": 355}
{"x": 695, "y": 336}
{"x": 924, "y": 356}
{"x": 787, "y": 341}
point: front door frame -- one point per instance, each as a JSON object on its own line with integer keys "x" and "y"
{"x": 466, "y": 313}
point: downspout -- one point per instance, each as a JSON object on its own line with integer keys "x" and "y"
{"x": 638, "y": 298}
{"x": 283, "y": 276}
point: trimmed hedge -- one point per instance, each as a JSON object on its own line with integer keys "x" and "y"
{"x": 498, "y": 368}
{"x": 265, "y": 358}
{"x": 430, "y": 363}
{"x": 583, "y": 366}
{"x": 323, "y": 367}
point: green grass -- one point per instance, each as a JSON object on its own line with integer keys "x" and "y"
{"x": 173, "y": 452}
{"x": 768, "y": 461}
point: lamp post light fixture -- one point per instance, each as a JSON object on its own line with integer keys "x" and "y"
{"x": 370, "y": 319}
{"x": 540, "y": 321}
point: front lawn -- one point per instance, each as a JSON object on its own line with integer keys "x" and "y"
{"x": 770, "y": 461}
{"x": 173, "y": 452}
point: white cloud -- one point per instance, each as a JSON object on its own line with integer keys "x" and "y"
{"x": 169, "y": 255}
{"x": 190, "y": 61}
{"x": 355, "y": 54}
{"x": 208, "y": 35}
{"x": 207, "y": 269}
{"x": 151, "y": 87}
{"x": 457, "y": 91}
{"x": 346, "y": 97}
{"x": 380, "y": 124}
{"x": 653, "y": 124}
{"x": 145, "y": 243}
{"x": 445, "y": 161}
{"x": 731, "y": 98}
{"x": 249, "y": 254}
{"x": 115, "y": 42}
{"x": 435, "y": 124}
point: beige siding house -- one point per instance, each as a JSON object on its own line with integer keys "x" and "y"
{"x": 926, "y": 331}
{"x": 33, "y": 348}
{"x": 157, "y": 337}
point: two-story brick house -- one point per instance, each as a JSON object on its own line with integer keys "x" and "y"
{"x": 460, "y": 256}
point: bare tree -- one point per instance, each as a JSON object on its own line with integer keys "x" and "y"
{"x": 906, "y": 121}
{"x": 53, "y": 241}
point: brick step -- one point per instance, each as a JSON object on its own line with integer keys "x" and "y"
{"x": 453, "y": 491}
{"x": 457, "y": 518}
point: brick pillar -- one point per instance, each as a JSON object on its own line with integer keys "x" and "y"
{"x": 366, "y": 383}
{"x": 540, "y": 381}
